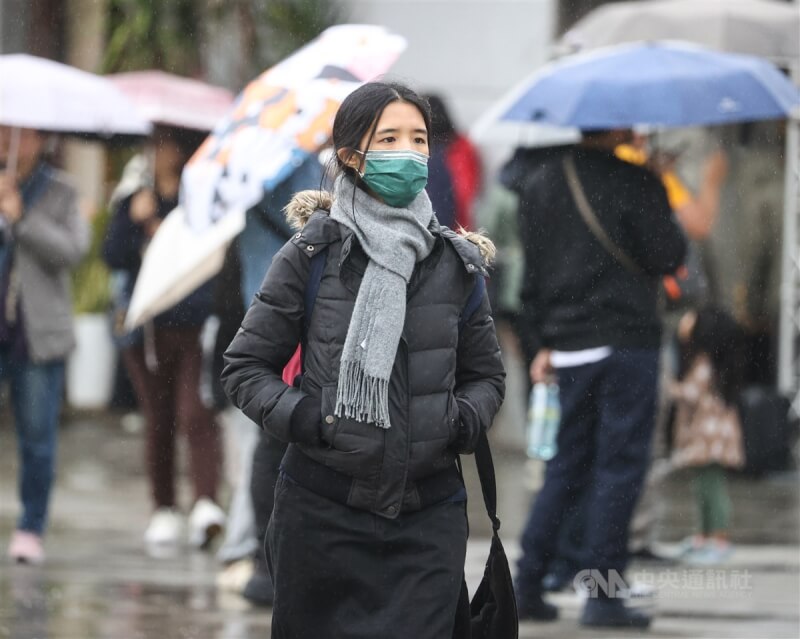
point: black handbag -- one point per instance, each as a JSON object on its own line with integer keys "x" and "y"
{"x": 492, "y": 613}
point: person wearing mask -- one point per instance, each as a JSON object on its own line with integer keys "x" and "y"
{"x": 368, "y": 532}
{"x": 43, "y": 237}
{"x": 164, "y": 359}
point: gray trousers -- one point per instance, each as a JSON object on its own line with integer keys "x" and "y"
{"x": 241, "y": 437}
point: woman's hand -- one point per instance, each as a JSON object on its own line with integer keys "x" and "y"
{"x": 541, "y": 370}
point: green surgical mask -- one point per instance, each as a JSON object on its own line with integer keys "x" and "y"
{"x": 397, "y": 177}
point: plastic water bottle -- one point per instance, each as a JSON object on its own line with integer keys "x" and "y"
{"x": 544, "y": 417}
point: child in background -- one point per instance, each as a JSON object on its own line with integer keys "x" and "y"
{"x": 708, "y": 434}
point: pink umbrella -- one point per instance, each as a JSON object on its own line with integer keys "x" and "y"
{"x": 165, "y": 98}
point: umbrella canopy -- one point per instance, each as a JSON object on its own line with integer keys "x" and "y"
{"x": 280, "y": 119}
{"x": 765, "y": 28}
{"x": 41, "y": 94}
{"x": 658, "y": 84}
{"x": 165, "y": 98}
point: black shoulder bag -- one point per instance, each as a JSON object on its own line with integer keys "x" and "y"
{"x": 492, "y": 614}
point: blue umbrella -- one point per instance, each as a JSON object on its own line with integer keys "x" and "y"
{"x": 658, "y": 84}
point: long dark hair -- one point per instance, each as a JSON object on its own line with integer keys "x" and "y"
{"x": 359, "y": 114}
{"x": 717, "y": 335}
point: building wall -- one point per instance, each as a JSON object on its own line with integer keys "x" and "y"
{"x": 470, "y": 51}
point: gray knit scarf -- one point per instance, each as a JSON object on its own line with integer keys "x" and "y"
{"x": 394, "y": 239}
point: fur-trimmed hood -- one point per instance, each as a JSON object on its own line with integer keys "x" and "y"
{"x": 304, "y": 203}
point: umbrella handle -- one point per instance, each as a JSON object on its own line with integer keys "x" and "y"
{"x": 150, "y": 174}
{"x": 13, "y": 152}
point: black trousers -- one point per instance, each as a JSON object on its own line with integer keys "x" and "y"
{"x": 347, "y": 573}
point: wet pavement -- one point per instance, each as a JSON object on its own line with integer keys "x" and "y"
{"x": 98, "y": 581}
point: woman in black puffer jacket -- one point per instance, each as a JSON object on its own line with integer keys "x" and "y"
{"x": 401, "y": 374}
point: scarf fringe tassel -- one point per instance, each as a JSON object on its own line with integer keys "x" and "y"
{"x": 362, "y": 397}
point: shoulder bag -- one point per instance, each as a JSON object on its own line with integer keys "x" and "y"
{"x": 492, "y": 613}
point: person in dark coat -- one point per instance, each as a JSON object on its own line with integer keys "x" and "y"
{"x": 368, "y": 533}
{"x": 592, "y": 321}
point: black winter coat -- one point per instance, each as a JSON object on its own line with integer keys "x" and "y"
{"x": 446, "y": 385}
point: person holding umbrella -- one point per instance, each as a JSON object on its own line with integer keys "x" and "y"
{"x": 368, "y": 533}
{"x": 43, "y": 237}
{"x": 592, "y": 277}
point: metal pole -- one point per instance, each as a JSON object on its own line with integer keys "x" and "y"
{"x": 788, "y": 357}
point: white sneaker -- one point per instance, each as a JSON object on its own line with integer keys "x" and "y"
{"x": 206, "y": 521}
{"x": 166, "y": 527}
{"x": 234, "y": 577}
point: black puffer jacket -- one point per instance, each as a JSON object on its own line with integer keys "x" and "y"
{"x": 446, "y": 384}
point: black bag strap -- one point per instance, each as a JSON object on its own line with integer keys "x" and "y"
{"x": 587, "y": 213}
{"x": 483, "y": 460}
{"x": 310, "y": 298}
{"x": 473, "y": 301}
{"x": 483, "y": 453}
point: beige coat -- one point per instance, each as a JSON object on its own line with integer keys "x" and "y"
{"x": 707, "y": 430}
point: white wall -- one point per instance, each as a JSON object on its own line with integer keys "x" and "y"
{"x": 470, "y": 51}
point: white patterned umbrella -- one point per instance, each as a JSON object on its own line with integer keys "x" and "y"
{"x": 280, "y": 119}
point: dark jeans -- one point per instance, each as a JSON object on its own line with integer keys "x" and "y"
{"x": 36, "y": 394}
{"x": 608, "y": 410}
{"x": 169, "y": 398}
